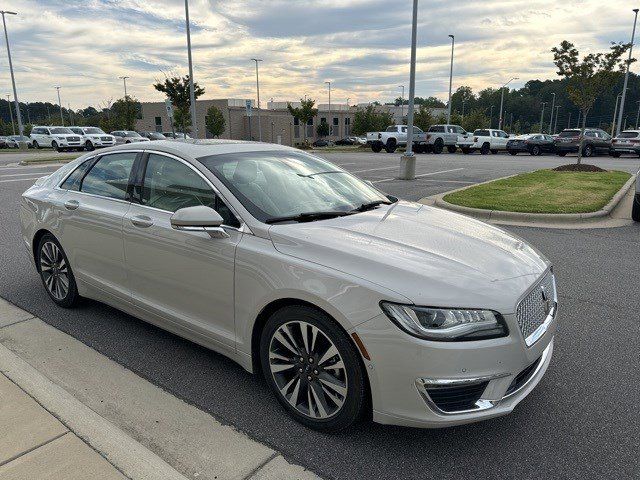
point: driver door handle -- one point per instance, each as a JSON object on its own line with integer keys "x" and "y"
{"x": 71, "y": 204}
{"x": 142, "y": 221}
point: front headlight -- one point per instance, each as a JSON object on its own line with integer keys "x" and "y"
{"x": 446, "y": 324}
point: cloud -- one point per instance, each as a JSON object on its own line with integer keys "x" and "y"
{"x": 362, "y": 46}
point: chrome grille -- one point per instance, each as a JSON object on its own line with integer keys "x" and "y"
{"x": 73, "y": 139}
{"x": 532, "y": 310}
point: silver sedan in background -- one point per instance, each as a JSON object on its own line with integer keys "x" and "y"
{"x": 347, "y": 300}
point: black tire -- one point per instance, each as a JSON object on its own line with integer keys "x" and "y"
{"x": 561, "y": 154}
{"x": 355, "y": 400}
{"x": 513, "y": 152}
{"x": 36, "y": 145}
{"x": 494, "y": 152}
{"x": 535, "y": 151}
{"x": 465, "y": 151}
{"x": 391, "y": 145}
{"x": 376, "y": 147}
{"x": 451, "y": 149}
{"x": 635, "y": 211}
{"x": 587, "y": 151}
{"x": 485, "y": 149}
{"x": 418, "y": 148}
{"x": 54, "y": 145}
{"x": 72, "y": 296}
{"x": 89, "y": 146}
{"x": 438, "y": 146}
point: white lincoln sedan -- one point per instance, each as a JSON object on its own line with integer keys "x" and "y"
{"x": 348, "y": 301}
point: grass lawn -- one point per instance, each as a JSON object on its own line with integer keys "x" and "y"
{"x": 544, "y": 191}
{"x": 47, "y": 159}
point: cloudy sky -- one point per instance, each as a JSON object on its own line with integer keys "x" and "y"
{"x": 361, "y": 46}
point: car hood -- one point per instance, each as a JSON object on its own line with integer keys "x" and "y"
{"x": 430, "y": 256}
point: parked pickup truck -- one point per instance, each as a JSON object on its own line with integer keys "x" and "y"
{"x": 485, "y": 140}
{"x": 396, "y": 136}
{"x": 441, "y": 136}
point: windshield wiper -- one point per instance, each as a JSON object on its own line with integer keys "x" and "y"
{"x": 307, "y": 217}
{"x": 370, "y": 206}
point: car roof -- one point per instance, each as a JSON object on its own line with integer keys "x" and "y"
{"x": 202, "y": 148}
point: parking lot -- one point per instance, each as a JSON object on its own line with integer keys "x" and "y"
{"x": 580, "y": 422}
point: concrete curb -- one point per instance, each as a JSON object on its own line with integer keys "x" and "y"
{"x": 534, "y": 218}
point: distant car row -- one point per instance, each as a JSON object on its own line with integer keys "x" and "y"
{"x": 83, "y": 138}
{"x": 489, "y": 140}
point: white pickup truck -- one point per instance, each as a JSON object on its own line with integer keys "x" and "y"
{"x": 485, "y": 140}
{"x": 396, "y": 136}
{"x": 441, "y": 136}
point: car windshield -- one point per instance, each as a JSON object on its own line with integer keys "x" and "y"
{"x": 131, "y": 134}
{"x": 61, "y": 131}
{"x": 629, "y": 135}
{"x": 569, "y": 133}
{"x": 281, "y": 184}
{"x": 94, "y": 131}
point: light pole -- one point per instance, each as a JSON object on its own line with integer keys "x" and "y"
{"x": 453, "y": 41}
{"x": 626, "y": 75}
{"x": 13, "y": 125}
{"x": 402, "y": 102}
{"x": 553, "y": 102}
{"x": 491, "y": 117}
{"x": 329, "y": 114}
{"x": 569, "y": 121}
{"x": 192, "y": 92}
{"x": 57, "y": 87}
{"x": 124, "y": 80}
{"x": 463, "y": 102}
{"x": 502, "y": 101}
{"x": 615, "y": 114}
{"x": 13, "y": 80}
{"x": 555, "y": 124}
{"x": 544, "y": 104}
{"x": 408, "y": 160}
{"x": 258, "y": 94}
{"x": 638, "y": 115}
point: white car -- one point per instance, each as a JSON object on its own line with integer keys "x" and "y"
{"x": 94, "y": 137}
{"x": 485, "y": 140}
{"x": 58, "y": 138}
{"x": 627, "y": 142}
{"x": 348, "y": 301}
{"x": 128, "y": 136}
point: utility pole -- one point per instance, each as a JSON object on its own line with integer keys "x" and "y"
{"x": 553, "y": 102}
{"x": 555, "y": 124}
{"x": 13, "y": 125}
{"x": 569, "y": 122}
{"x": 124, "y": 80}
{"x": 626, "y": 75}
{"x": 402, "y": 102}
{"x": 192, "y": 92}
{"x": 330, "y": 119}
{"x": 57, "y": 87}
{"x": 258, "y": 92}
{"x": 463, "y": 102}
{"x": 408, "y": 160}
{"x": 453, "y": 41}
{"x": 491, "y": 117}
{"x": 542, "y": 117}
{"x": 502, "y": 101}
{"x": 22, "y": 144}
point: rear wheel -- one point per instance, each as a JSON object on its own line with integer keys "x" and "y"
{"x": 391, "y": 145}
{"x": 376, "y": 147}
{"x": 535, "y": 150}
{"x": 451, "y": 149}
{"x": 55, "y": 272}
{"x": 438, "y": 146}
{"x": 313, "y": 368}
{"x": 54, "y": 145}
{"x": 89, "y": 146}
{"x": 587, "y": 151}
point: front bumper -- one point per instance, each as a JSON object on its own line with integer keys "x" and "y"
{"x": 403, "y": 369}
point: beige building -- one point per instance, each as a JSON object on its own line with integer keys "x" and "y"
{"x": 276, "y": 124}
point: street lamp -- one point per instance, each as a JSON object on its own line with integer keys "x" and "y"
{"x": 491, "y": 117}
{"x": 553, "y": 102}
{"x": 57, "y": 87}
{"x": 13, "y": 126}
{"x": 192, "y": 92}
{"x": 615, "y": 115}
{"x": 555, "y": 123}
{"x": 408, "y": 160}
{"x": 402, "y": 102}
{"x": 124, "y": 80}
{"x": 258, "y": 94}
{"x": 13, "y": 80}
{"x": 453, "y": 41}
{"x": 502, "y": 101}
{"x": 329, "y": 114}
{"x": 544, "y": 104}
{"x": 626, "y": 75}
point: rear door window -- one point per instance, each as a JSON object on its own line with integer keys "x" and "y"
{"x": 109, "y": 177}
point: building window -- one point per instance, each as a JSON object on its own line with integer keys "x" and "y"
{"x": 296, "y": 128}
{"x": 158, "y": 121}
{"x": 335, "y": 127}
{"x": 310, "y": 128}
{"x": 347, "y": 126}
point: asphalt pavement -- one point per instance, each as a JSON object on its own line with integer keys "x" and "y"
{"x": 581, "y": 421}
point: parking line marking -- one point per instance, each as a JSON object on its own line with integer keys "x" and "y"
{"x": 19, "y": 179}
{"x": 421, "y": 175}
{"x": 375, "y": 169}
{"x": 24, "y": 174}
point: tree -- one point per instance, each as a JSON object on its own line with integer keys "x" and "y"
{"x": 475, "y": 119}
{"x": 125, "y": 112}
{"x": 215, "y": 121}
{"x": 590, "y": 77}
{"x": 305, "y": 112}
{"x": 423, "y": 118}
{"x": 370, "y": 120}
{"x": 177, "y": 91}
{"x": 323, "y": 129}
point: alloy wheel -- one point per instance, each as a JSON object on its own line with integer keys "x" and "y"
{"x": 54, "y": 270}
{"x": 308, "y": 370}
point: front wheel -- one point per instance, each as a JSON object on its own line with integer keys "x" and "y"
{"x": 89, "y": 146}
{"x": 55, "y": 272}
{"x": 36, "y": 145}
{"x": 587, "y": 151}
{"x": 376, "y": 147}
{"x": 313, "y": 368}
{"x": 54, "y": 145}
{"x": 535, "y": 151}
{"x": 391, "y": 145}
{"x": 485, "y": 149}
{"x": 438, "y": 146}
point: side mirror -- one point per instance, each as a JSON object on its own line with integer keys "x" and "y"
{"x": 199, "y": 219}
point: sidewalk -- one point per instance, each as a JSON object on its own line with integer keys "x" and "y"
{"x": 67, "y": 412}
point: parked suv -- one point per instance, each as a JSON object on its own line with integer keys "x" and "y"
{"x": 94, "y": 137}
{"x": 58, "y": 138}
{"x": 128, "y": 136}
{"x": 627, "y": 142}
{"x": 595, "y": 141}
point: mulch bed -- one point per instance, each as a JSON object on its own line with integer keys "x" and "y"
{"x": 574, "y": 167}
